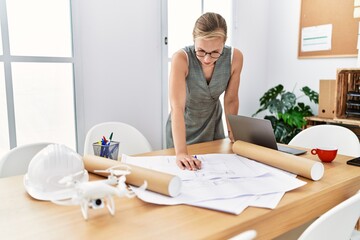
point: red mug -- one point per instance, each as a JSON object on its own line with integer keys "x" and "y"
{"x": 325, "y": 154}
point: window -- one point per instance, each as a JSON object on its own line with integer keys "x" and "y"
{"x": 37, "y": 101}
{"x": 4, "y": 129}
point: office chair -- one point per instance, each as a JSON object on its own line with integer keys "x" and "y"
{"x": 337, "y": 223}
{"x": 328, "y": 135}
{"x": 132, "y": 141}
{"x": 247, "y": 235}
{"x": 16, "y": 161}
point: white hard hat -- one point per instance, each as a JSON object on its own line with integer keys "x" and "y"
{"x": 47, "y": 167}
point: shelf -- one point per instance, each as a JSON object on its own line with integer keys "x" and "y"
{"x": 353, "y": 94}
{"x": 353, "y": 103}
{"x": 347, "y": 93}
{"x": 353, "y": 112}
{"x": 352, "y": 106}
{"x": 350, "y": 122}
{"x": 345, "y": 121}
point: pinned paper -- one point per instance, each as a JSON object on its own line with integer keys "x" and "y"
{"x": 316, "y": 38}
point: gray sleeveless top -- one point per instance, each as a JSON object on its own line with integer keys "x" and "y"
{"x": 203, "y": 109}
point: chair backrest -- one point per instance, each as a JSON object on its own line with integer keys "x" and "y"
{"x": 328, "y": 135}
{"x": 132, "y": 141}
{"x": 337, "y": 223}
{"x": 16, "y": 161}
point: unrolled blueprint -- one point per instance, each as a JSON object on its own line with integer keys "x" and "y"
{"x": 226, "y": 182}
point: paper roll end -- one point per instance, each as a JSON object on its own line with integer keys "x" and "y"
{"x": 317, "y": 171}
{"x": 174, "y": 186}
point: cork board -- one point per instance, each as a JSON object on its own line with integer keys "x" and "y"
{"x": 338, "y": 13}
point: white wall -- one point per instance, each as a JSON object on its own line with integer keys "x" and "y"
{"x": 268, "y": 35}
{"x": 250, "y": 33}
{"x": 118, "y": 65}
{"x": 118, "y": 59}
{"x": 284, "y": 66}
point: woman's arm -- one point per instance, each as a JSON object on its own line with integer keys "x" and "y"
{"x": 177, "y": 94}
{"x": 231, "y": 98}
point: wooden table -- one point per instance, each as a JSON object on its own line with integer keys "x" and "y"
{"x": 22, "y": 217}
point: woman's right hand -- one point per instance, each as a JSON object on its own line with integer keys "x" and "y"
{"x": 188, "y": 162}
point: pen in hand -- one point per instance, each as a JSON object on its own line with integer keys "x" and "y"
{"x": 197, "y": 163}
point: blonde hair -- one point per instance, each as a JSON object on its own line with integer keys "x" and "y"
{"x": 210, "y": 25}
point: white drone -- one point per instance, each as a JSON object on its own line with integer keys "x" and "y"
{"x": 94, "y": 194}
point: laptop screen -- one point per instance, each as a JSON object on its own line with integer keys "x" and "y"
{"x": 253, "y": 130}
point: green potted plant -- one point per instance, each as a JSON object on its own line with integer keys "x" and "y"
{"x": 287, "y": 114}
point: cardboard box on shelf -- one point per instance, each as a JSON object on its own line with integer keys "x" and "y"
{"x": 327, "y": 98}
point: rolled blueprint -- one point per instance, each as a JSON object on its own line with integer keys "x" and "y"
{"x": 301, "y": 166}
{"x": 159, "y": 182}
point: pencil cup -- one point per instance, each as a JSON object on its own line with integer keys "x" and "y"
{"x": 108, "y": 150}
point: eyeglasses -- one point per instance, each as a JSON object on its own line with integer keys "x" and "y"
{"x": 202, "y": 53}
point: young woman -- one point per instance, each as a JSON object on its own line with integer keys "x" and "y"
{"x": 199, "y": 75}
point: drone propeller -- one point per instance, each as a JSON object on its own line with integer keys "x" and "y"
{"x": 121, "y": 183}
{"x": 123, "y": 170}
{"x": 70, "y": 178}
{"x": 144, "y": 186}
{"x": 120, "y": 167}
{"x": 114, "y": 172}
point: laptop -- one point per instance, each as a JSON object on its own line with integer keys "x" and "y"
{"x": 257, "y": 131}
